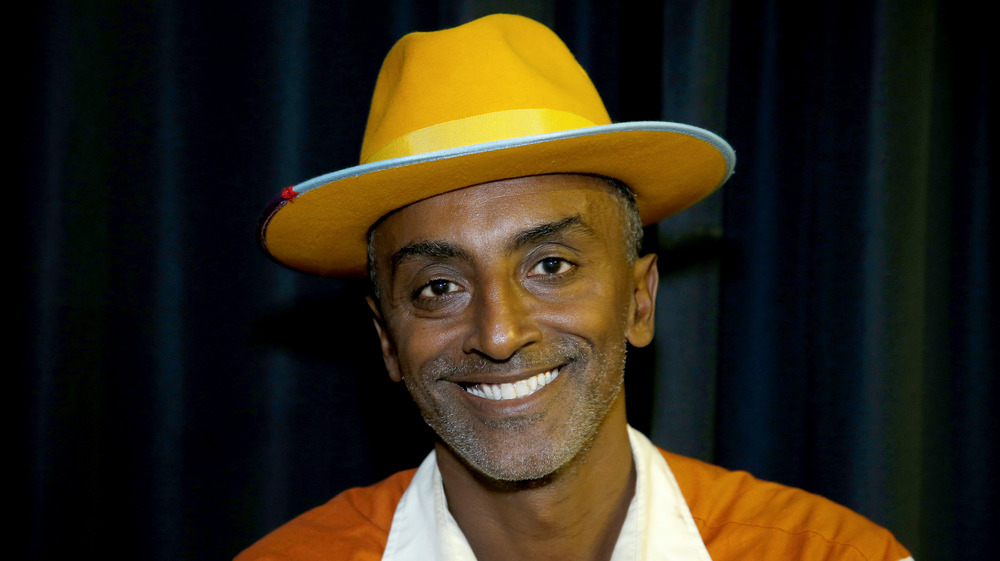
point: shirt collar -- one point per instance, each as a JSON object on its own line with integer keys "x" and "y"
{"x": 658, "y": 525}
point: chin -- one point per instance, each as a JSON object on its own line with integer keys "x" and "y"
{"x": 526, "y": 450}
{"x": 516, "y": 464}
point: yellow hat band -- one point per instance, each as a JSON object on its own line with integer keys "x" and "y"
{"x": 479, "y": 129}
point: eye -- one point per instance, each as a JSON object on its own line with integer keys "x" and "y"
{"x": 437, "y": 288}
{"x": 552, "y": 266}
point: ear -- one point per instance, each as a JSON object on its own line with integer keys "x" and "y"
{"x": 388, "y": 349}
{"x": 646, "y": 279}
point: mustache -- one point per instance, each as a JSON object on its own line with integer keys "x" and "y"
{"x": 526, "y": 359}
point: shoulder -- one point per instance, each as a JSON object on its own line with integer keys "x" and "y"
{"x": 740, "y": 517}
{"x": 353, "y": 525}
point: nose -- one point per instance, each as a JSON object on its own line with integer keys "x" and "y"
{"x": 502, "y": 322}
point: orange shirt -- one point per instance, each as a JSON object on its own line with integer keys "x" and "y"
{"x": 738, "y": 517}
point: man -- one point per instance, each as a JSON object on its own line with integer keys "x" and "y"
{"x": 499, "y": 212}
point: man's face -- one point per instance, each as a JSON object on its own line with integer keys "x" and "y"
{"x": 506, "y": 308}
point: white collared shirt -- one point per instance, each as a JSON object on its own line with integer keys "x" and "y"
{"x": 658, "y": 525}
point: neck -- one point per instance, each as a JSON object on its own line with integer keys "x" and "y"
{"x": 577, "y": 513}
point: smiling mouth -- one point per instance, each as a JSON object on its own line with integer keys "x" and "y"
{"x": 515, "y": 390}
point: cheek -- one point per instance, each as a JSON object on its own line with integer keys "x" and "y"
{"x": 600, "y": 304}
{"x": 599, "y": 316}
{"x": 420, "y": 341}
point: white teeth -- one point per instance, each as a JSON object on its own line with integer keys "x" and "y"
{"x": 520, "y": 388}
{"x": 508, "y": 391}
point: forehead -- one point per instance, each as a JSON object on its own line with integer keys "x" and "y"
{"x": 500, "y": 209}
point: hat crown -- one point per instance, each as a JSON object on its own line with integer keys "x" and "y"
{"x": 497, "y": 98}
{"x": 499, "y": 63}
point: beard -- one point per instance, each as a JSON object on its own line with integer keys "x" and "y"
{"x": 530, "y": 447}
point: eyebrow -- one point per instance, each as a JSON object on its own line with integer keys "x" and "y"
{"x": 570, "y": 224}
{"x": 436, "y": 250}
{"x": 445, "y": 250}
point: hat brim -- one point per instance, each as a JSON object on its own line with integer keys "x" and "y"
{"x": 323, "y": 229}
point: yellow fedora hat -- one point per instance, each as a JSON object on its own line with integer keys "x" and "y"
{"x": 496, "y": 98}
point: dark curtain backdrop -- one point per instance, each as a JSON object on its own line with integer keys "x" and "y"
{"x": 828, "y": 320}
